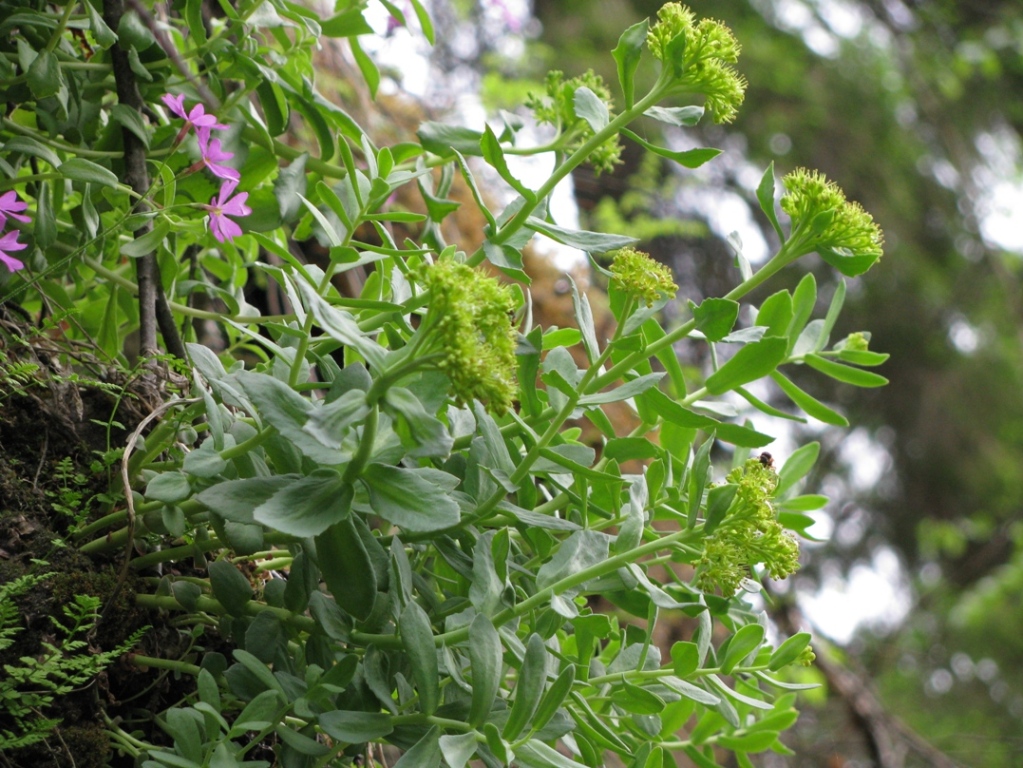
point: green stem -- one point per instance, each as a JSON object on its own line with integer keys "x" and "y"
{"x": 205, "y": 604}
{"x": 58, "y": 31}
{"x": 366, "y": 441}
{"x": 176, "y": 666}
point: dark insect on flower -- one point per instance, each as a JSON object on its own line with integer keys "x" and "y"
{"x": 767, "y": 460}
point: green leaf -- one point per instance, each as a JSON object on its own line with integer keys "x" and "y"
{"x": 101, "y": 33}
{"x": 804, "y": 299}
{"x": 765, "y": 196}
{"x": 288, "y": 412}
{"x": 698, "y": 479}
{"x": 290, "y": 187}
{"x": 789, "y": 651}
{"x": 805, "y": 503}
{"x": 627, "y": 55}
{"x": 775, "y": 314}
{"x": 809, "y": 405}
{"x": 528, "y": 688}
{"x": 230, "y": 588}
{"x": 263, "y": 636}
{"x": 424, "y": 21}
{"x": 797, "y": 466}
{"x": 366, "y": 66}
{"x": 487, "y": 667}
{"x": 45, "y": 228}
{"x": 350, "y": 23}
{"x": 422, "y": 434}
{"x": 44, "y": 76}
{"x": 194, "y": 21}
{"x": 629, "y": 448}
{"x": 681, "y": 117}
{"x": 553, "y": 698}
{"x": 590, "y": 108}
{"x": 690, "y": 158}
{"x": 147, "y": 243}
{"x": 417, "y": 640}
{"x": 750, "y": 742}
{"x": 411, "y": 498}
{"x": 591, "y": 242}
{"x": 636, "y": 700}
{"x": 457, "y": 749}
{"x": 719, "y": 500}
{"x": 849, "y": 264}
{"x": 80, "y": 169}
{"x": 301, "y": 743}
{"x": 862, "y": 357}
{"x": 741, "y": 645}
{"x": 625, "y": 391}
{"x": 308, "y": 505}
{"x": 131, "y": 119}
{"x": 355, "y": 727}
{"x": 26, "y": 145}
{"x": 425, "y": 753}
{"x": 347, "y": 569}
{"x": 132, "y": 31}
{"x": 579, "y": 551}
{"x": 185, "y": 731}
{"x": 845, "y": 373}
{"x": 715, "y": 317}
{"x": 444, "y": 140}
{"x": 750, "y": 363}
{"x": 324, "y": 610}
{"x": 535, "y": 754}
{"x": 169, "y": 487}
{"x": 275, "y": 107}
{"x": 685, "y": 658}
{"x": 490, "y": 146}
{"x": 235, "y": 499}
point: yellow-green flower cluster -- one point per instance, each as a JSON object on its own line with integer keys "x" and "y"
{"x": 637, "y": 274}
{"x": 469, "y": 322}
{"x": 855, "y": 342}
{"x": 830, "y": 224}
{"x": 749, "y": 535}
{"x": 557, "y": 108}
{"x": 700, "y": 55}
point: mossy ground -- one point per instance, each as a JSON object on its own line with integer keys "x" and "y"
{"x": 51, "y": 429}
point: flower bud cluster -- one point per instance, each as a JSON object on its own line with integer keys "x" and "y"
{"x": 637, "y": 274}
{"x": 832, "y": 224}
{"x": 749, "y": 535}
{"x": 700, "y": 55}
{"x": 557, "y": 108}
{"x": 470, "y": 323}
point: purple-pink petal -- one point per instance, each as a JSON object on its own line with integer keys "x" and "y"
{"x": 9, "y": 242}
{"x": 175, "y": 104}
{"x": 236, "y": 205}
{"x": 11, "y": 263}
{"x": 10, "y": 206}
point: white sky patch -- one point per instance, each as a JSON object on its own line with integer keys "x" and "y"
{"x": 874, "y": 595}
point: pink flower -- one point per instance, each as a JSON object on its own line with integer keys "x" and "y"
{"x": 196, "y": 117}
{"x": 10, "y": 205}
{"x": 221, "y": 207}
{"x": 9, "y": 242}
{"x": 213, "y": 155}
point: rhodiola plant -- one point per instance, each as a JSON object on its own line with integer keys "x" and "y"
{"x": 372, "y": 514}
